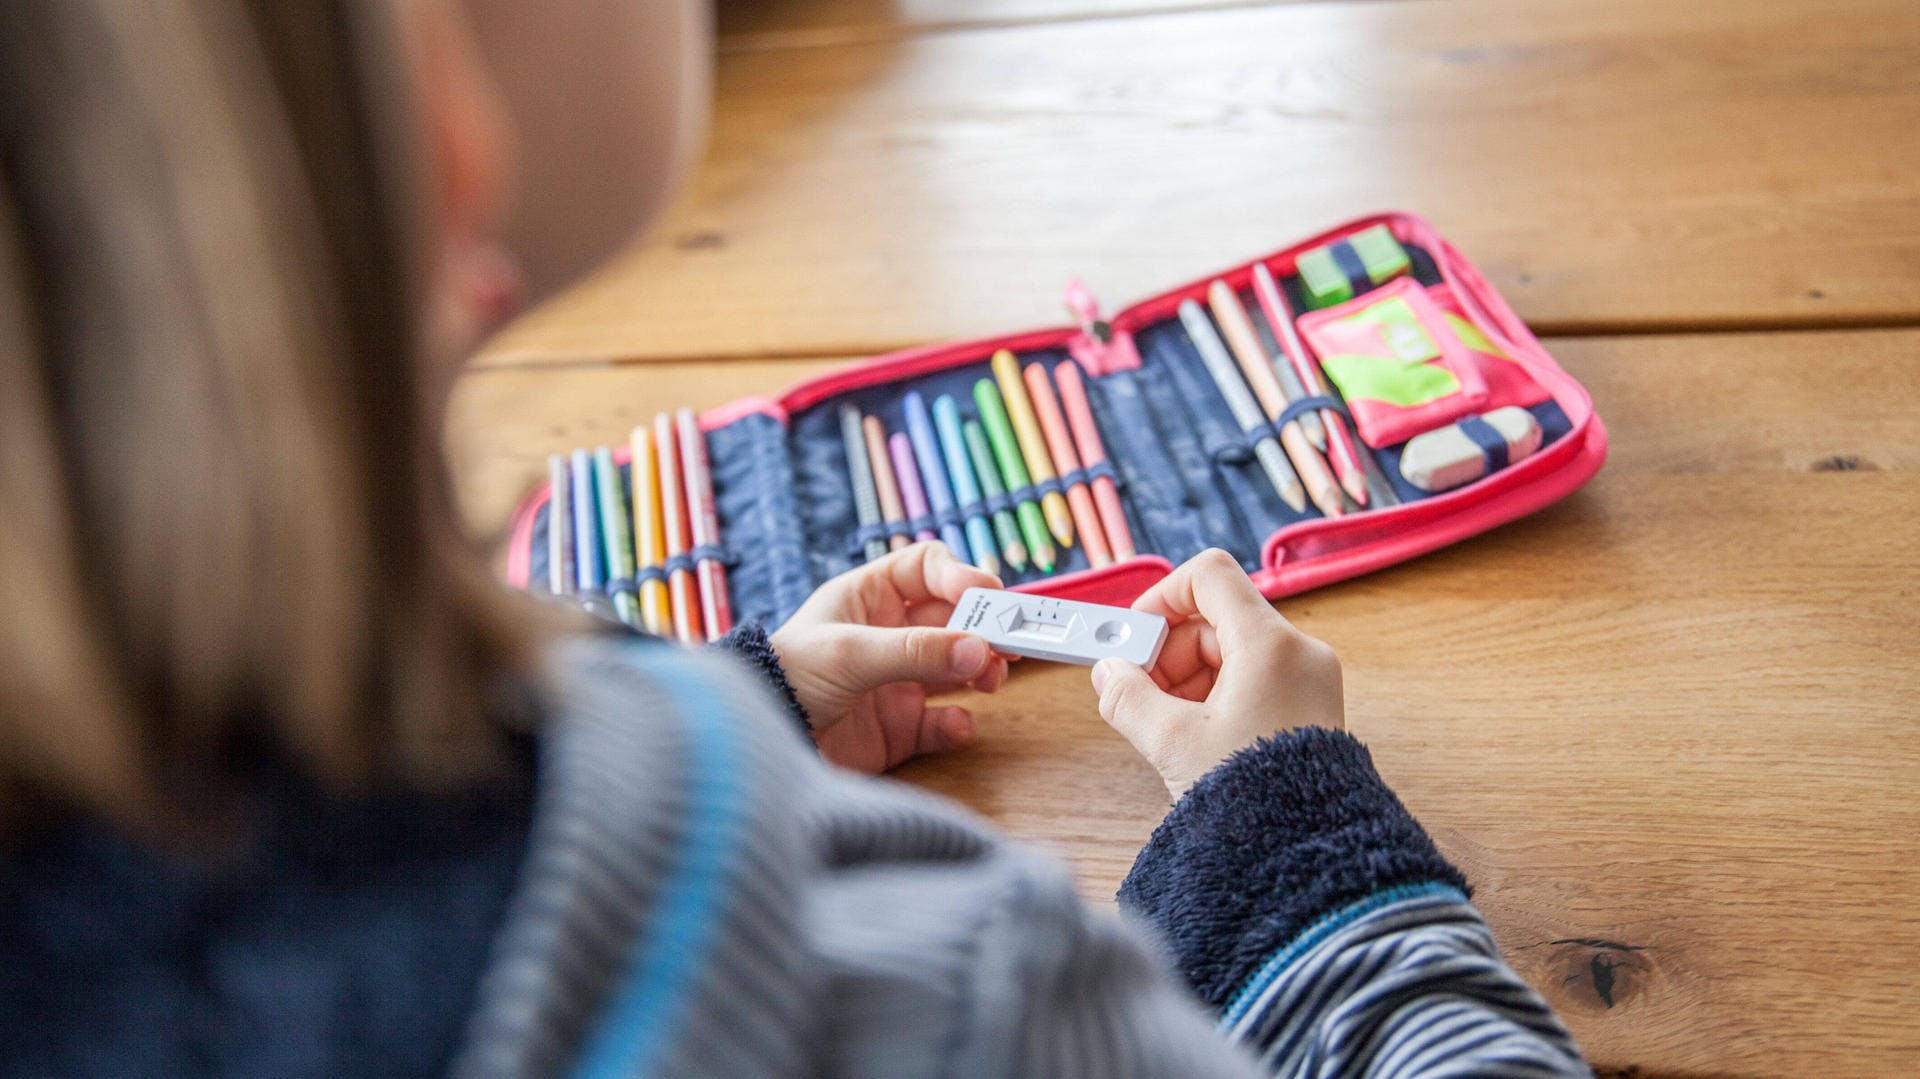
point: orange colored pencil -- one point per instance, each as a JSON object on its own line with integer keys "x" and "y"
{"x": 1086, "y": 437}
{"x": 1053, "y": 426}
{"x": 673, "y": 516}
{"x": 1340, "y": 449}
{"x": 892, "y": 510}
{"x": 1237, "y": 328}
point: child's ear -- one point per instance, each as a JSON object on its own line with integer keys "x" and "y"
{"x": 466, "y": 167}
{"x": 609, "y": 99}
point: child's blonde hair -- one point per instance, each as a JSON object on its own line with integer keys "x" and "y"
{"x": 225, "y": 530}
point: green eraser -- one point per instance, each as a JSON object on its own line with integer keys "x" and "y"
{"x": 1321, "y": 279}
{"x": 1380, "y": 253}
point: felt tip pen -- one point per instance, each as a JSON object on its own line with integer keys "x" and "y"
{"x": 966, "y": 489}
{"x": 1273, "y": 398}
{"x": 559, "y": 526}
{"x": 1086, "y": 439}
{"x": 866, "y": 497}
{"x": 586, "y": 531}
{"x": 1053, "y": 425}
{"x": 1005, "y": 529}
{"x": 1006, "y": 453}
{"x": 892, "y": 511}
{"x": 716, "y": 605}
{"x": 1033, "y": 444}
{"x": 616, "y": 537}
{"x": 650, "y": 536}
{"x": 906, "y": 471}
{"x": 1246, "y": 412}
{"x": 673, "y": 513}
{"x": 936, "y": 475}
{"x": 1342, "y": 453}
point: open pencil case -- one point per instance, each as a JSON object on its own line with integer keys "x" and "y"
{"x": 1185, "y": 470}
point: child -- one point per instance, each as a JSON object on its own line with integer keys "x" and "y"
{"x": 289, "y": 788}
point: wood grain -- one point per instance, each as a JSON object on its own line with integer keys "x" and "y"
{"x": 787, "y": 24}
{"x": 1611, "y": 164}
{"x": 1666, "y": 726}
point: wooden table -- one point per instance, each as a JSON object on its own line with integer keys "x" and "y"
{"x": 1670, "y": 727}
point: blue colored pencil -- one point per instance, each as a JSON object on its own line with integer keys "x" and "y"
{"x": 934, "y": 475}
{"x": 586, "y": 526}
{"x": 966, "y": 489}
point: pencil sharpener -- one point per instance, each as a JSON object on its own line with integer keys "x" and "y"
{"x": 1062, "y": 630}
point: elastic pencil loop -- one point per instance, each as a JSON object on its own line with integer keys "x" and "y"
{"x": 922, "y": 523}
{"x": 996, "y": 503}
{"x": 726, "y": 556}
{"x": 1318, "y": 403}
{"x": 1049, "y": 486}
{"x": 621, "y": 584}
{"x": 1255, "y": 433}
{"x": 648, "y": 573}
{"x": 865, "y": 534}
{"x": 949, "y": 515}
{"x": 1493, "y": 447}
{"x": 1097, "y": 471}
{"x": 677, "y": 563}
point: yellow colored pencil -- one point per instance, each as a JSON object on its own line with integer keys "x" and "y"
{"x": 650, "y": 535}
{"x": 1033, "y": 444}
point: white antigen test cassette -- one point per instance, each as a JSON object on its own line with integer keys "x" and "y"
{"x": 1059, "y": 629}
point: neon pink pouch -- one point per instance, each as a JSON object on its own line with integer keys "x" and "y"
{"x": 1185, "y": 470}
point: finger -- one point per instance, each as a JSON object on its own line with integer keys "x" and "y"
{"x": 1196, "y": 687}
{"x": 934, "y": 612}
{"x": 1212, "y": 587}
{"x": 866, "y": 657}
{"x": 944, "y": 728}
{"x": 994, "y": 678}
{"x": 928, "y": 570}
{"x": 1190, "y": 647}
{"x": 1131, "y": 704}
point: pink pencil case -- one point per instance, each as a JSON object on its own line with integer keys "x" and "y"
{"x": 1185, "y": 470}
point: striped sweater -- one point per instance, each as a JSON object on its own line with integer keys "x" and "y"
{"x": 705, "y": 897}
{"x": 674, "y": 884}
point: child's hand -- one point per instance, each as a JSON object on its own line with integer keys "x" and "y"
{"x": 1232, "y": 671}
{"x": 863, "y": 651}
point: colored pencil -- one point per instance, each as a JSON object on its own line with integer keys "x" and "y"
{"x": 650, "y": 536}
{"x": 1086, "y": 437}
{"x": 1004, "y": 527}
{"x": 616, "y": 536}
{"x": 966, "y": 489}
{"x": 1013, "y": 470}
{"x": 716, "y": 606}
{"x": 1246, "y": 412}
{"x": 1272, "y": 397}
{"x": 1046, "y": 408}
{"x": 866, "y": 497}
{"x": 1341, "y": 451}
{"x": 559, "y": 526}
{"x": 673, "y": 515}
{"x": 935, "y": 474}
{"x": 906, "y": 472}
{"x": 1033, "y": 444}
{"x": 586, "y": 530}
{"x": 891, "y": 510}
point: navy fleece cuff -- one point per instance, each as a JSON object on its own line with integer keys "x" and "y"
{"x": 749, "y": 643}
{"x": 1282, "y": 832}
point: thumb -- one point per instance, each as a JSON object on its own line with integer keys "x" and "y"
{"x": 1132, "y": 704}
{"x": 866, "y": 657}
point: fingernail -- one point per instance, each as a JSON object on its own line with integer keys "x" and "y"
{"x": 1100, "y": 677}
{"x": 969, "y": 657}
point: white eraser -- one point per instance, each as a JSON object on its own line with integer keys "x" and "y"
{"x": 1059, "y": 629}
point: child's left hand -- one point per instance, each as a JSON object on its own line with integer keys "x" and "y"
{"x": 864, "y": 650}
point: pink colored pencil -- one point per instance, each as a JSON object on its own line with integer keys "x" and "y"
{"x": 1346, "y": 461}
{"x": 1086, "y": 436}
{"x": 906, "y": 470}
{"x": 716, "y": 606}
{"x": 1053, "y": 427}
{"x": 673, "y": 513}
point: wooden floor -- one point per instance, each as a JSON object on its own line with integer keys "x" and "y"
{"x": 1670, "y": 727}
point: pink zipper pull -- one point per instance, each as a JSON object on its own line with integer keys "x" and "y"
{"x": 1100, "y": 349}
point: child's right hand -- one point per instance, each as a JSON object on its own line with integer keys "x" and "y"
{"x": 1232, "y": 671}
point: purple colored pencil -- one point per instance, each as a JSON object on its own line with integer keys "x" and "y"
{"x": 907, "y": 471}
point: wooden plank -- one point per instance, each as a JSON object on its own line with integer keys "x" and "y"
{"x": 1612, "y": 164}
{"x": 1665, "y": 726}
{"x": 788, "y": 24}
